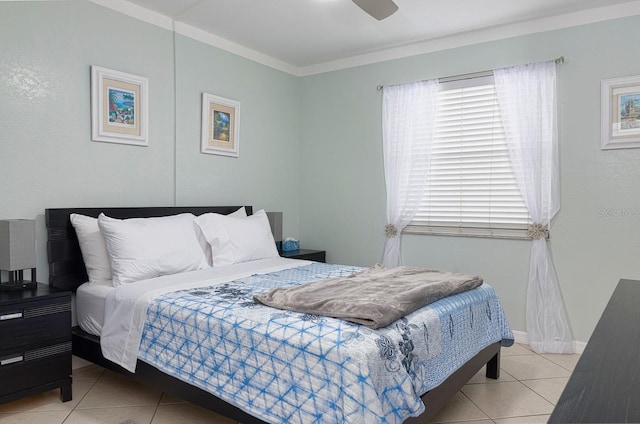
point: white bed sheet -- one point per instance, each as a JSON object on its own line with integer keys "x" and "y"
{"x": 126, "y": 305}
{"x": 90, "y": 302}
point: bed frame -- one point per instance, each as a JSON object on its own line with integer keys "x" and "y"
{"x": 67, "y": 272}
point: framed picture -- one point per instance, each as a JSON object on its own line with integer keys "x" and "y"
{"x": 220, "y": 126}
{"x": 119, "y": 107}
{"x": 620, "y": 113}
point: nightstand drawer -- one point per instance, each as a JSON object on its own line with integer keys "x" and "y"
{"x": 31, "y": 368}
{"x": 35, "y": 343}
{"x": 34, "y": 323}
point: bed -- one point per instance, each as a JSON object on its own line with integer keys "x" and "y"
{"x": 233, "y": 397}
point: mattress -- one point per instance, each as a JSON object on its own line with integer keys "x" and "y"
{"x": 204, "y": 328}
{"x": 90, "y": 303}
{"x": 91, "y": 297}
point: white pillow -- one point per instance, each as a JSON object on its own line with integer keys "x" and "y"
{"x": 141, "y": 248}
{"x": 238, "y": 239}
{"x": 93, "y": 248}
{"x": 240, "y": 213}
{"x": 204, "y": 244}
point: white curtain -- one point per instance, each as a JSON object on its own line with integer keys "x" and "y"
{"x": 527, "y": 96}
{"x": 408, "y": 122}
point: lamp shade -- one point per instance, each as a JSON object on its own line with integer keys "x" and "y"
{"x": 275, "y": 221}
{"x": 17, "y": 244}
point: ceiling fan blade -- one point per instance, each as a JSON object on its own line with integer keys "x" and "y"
{"x": 379, "y": 9}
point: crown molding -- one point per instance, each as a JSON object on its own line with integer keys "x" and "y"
{"x": 231, "y": 47}
{"x": 568, "y": 20}
{"x": 137, "y": 12}
{"x": 480, "y": 36}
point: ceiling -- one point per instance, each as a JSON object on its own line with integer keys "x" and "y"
{"x": 308, "y": 33}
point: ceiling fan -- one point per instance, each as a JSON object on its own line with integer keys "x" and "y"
{"x": 379, "y": 9}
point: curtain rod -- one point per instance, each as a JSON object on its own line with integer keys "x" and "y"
{"x": 558, "y": 61}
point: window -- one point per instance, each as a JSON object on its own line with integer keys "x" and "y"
{"x": 471, "y": 186}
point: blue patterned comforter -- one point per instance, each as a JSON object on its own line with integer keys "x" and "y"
{"x": 288, "y": 367}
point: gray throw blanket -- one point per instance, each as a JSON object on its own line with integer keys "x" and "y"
{"x": 375, "y": 297}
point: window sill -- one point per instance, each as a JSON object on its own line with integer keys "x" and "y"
{"x": 494, "y": 233}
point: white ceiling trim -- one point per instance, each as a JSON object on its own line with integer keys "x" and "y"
{"x": 135, "y": 11}
{"x": 481, "y": 36}
{"x": 237, "y": 49}
{"x": 447, "y": 42}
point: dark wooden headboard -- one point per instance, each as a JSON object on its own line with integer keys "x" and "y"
{"x": 66, "y": 266}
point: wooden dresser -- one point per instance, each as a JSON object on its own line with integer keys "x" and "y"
{"x": 605, "y": 385}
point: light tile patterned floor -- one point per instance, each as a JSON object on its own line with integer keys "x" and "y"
{"x": 528, "y": 388}
{"x": 526, "y": 392}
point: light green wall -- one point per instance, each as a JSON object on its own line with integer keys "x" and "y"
{"x": 47, "y": 156}
{"x": 311, "y": 147}
{"x": 265, "y": 174}
{"x": 49, "y": 160}
{"x": 341, "y": 154}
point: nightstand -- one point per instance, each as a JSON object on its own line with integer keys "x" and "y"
{"x": 306, "y": 254}
{"x": 35, "y": 343}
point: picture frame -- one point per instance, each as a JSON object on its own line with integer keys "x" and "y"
{"x": 620, "y": 113}
{"x": 119, "y": 107}
{"x": 220, "y": 126}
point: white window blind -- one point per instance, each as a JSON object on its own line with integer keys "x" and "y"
{"x": 472, "y": 188}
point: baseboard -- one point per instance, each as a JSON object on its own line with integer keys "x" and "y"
{"x": 523, "y": 338}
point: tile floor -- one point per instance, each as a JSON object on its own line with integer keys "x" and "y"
{"x": 526, "y": 392}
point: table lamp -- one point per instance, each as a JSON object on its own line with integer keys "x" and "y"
{"x": 17, "y": 253}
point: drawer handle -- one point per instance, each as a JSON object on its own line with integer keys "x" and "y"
{"x": 11, "y": 360}
{"x": 10, "y": 316}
